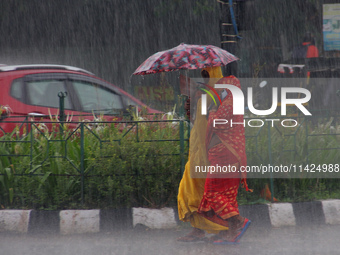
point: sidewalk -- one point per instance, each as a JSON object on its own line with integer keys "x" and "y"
{"x": 108, "y": 220}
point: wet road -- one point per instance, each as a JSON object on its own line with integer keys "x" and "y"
{"x": 322, "y": 239}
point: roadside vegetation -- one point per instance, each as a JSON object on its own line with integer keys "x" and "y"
{"x": 101, "y": 165}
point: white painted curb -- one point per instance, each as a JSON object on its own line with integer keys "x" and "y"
{"x": 14, "y": 220}
{"x": 90, "y": 221}
{"x": 79, "y": 221}
{"x": 154, "y": 218}
{"x": 281, "y": 214}
{"x": 331, "y": 210}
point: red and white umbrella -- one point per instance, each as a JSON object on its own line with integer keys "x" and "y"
{"x": 185, "y": 56}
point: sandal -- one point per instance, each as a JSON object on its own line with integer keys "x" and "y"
{"x": 242, "y": 230}
{"x": 238, "y": 231}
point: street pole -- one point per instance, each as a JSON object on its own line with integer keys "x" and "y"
{"x": 228, "y": 31}
{"x": 229, "y": 42}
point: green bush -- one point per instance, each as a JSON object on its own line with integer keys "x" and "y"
{"x": 101, "y": 165}
{"x": 122, "y": 165}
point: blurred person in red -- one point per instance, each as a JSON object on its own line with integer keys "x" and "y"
{"x": 307, "y": 49}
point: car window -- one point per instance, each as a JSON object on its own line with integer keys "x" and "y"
{"x": 17, "y": 90}
{"x": 45, "y": 93}
{"x": 42, "y": 92}
{"x": 94, "y": 97}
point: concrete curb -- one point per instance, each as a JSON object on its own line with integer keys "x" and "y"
{"x": 94, "y": 221}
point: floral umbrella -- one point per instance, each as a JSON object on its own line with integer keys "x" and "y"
{"x": 185, "y": 56}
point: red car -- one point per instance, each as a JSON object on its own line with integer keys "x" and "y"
{"x": 34, "y": 91}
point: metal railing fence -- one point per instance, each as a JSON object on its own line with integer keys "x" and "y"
{"x": 75, "y": 149}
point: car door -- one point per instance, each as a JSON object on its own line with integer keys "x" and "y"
{"x": 96, "y": 97}
{"x": 37, "y": 96}
{"x": 85, "y": 98}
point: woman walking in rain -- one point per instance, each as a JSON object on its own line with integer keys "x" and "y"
{"x": 191, "y": 189}
{"x": 186, "y": 56}
{"x": 225, "y": 145}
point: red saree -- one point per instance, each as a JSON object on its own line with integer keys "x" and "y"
{"x": 219, "y": 199}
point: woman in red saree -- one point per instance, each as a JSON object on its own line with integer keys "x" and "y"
{"x": 226, "y": 148}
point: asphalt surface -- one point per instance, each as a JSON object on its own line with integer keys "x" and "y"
{"x": 317, "y": 239}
